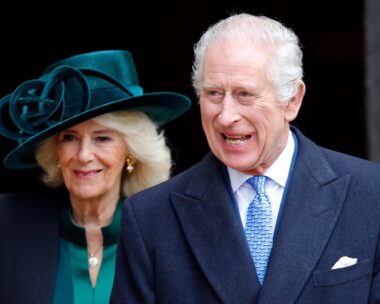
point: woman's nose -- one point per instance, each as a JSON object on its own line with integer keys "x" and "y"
{"x": 86, "y": 150}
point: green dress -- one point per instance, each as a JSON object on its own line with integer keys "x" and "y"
{"x": 73, "y": 284}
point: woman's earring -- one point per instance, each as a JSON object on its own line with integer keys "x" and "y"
{"x": 58, "y": 163}
{"x": 130, "y": 163}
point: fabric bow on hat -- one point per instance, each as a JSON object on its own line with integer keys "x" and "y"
{"x": 76, "y": 89}
{"x": 37, "y": 105}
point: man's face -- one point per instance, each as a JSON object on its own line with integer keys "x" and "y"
{"x": 245, "y": 125}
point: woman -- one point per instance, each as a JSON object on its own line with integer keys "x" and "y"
{"x": 88, "y": 125}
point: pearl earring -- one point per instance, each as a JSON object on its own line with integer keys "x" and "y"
{"x": 130, "y": 164}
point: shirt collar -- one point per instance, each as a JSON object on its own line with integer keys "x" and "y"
{"x": 277, "y": 172}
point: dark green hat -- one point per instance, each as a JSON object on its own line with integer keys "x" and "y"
{"x": 73, "y": 90}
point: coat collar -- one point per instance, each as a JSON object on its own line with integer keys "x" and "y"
{"x": 315, "y": 200}
{"x": 214, "y": 233}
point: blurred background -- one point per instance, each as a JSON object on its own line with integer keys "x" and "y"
{"x": 161, "y": 36}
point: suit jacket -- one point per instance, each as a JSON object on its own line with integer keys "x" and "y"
{"x": 182, "y": 241}
{"x": 29, "y": 239}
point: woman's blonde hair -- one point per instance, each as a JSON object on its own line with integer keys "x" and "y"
{"x": 145, "y": 144}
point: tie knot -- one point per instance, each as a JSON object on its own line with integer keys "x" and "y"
{"x": 258, "y": 183}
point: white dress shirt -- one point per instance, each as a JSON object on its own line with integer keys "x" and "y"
{"x": 278, "y": 174}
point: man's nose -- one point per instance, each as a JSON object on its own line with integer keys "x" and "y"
{"x": 229, "y": 112}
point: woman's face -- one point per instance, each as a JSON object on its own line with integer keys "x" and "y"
{"x": 92, "y": 159}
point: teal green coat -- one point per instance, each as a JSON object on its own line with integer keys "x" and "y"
{"x": 37, "y": 253}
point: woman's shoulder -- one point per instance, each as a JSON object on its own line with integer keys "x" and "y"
{"x": 14, "y": 202}
{"x": 13, "y": 199}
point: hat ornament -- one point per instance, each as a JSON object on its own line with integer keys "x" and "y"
{"x": 40, "y": 103}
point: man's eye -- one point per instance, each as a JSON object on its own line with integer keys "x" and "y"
{"x": 244, "y": 93}
{"x": 214, "y": 93}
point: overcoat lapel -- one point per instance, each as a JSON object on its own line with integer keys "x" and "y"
{"x": 307, "y": 222}
{"x": 215, "y": 235}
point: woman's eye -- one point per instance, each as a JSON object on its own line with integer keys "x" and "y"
{"x": 103, "y": 139}
{"x": 68, "y": 137}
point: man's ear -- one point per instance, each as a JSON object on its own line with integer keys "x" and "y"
{"x": 294, "y": 105}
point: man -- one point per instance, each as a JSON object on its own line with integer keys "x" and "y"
{"x": 309, "y": 234}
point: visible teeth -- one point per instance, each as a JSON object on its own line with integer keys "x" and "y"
{"x": 236, "y": 140}
{"x": 87, "y": 173}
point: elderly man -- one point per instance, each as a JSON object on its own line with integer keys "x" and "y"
{"x": 268, "y": 216}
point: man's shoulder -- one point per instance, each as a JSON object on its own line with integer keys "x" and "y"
{"x": 176, "y": 182}
{"x": 195, "y": 177}
{"x": 337, "y": 160}
{"x": 352, "y": 164}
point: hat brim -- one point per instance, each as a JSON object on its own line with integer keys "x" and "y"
{"x": 161, "y": 107}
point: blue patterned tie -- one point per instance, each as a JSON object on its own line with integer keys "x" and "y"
{"x": 259, "y": 226}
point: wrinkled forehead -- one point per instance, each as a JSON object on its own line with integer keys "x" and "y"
{"x": 235, "y": 59}
{"x": 245, "y": 50}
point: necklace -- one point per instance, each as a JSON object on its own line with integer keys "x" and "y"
{"x": 92, "y": 259}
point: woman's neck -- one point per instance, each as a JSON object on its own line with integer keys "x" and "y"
{"x": 96, "y": 212}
